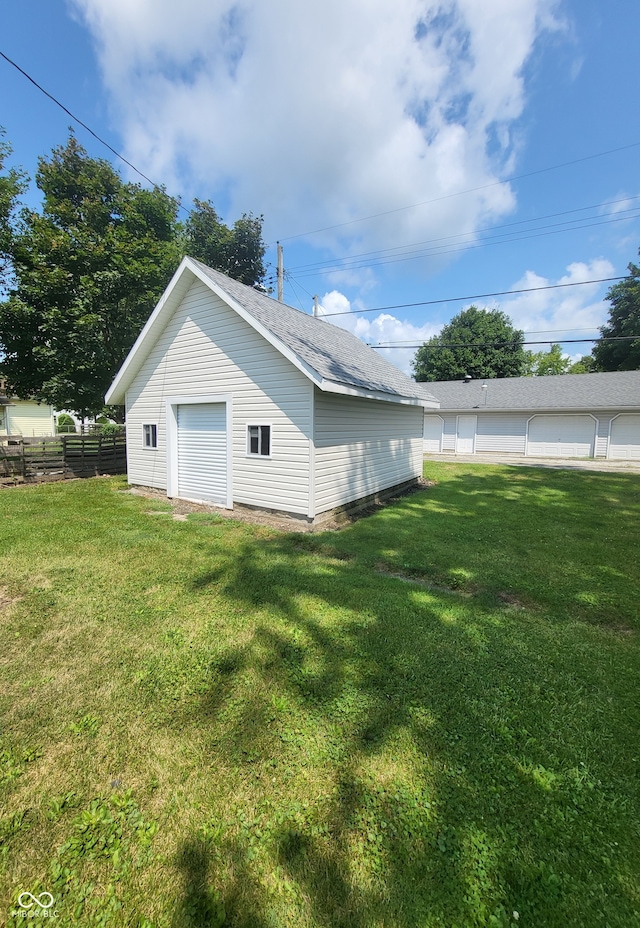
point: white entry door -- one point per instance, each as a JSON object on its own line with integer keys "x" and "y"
{"x": 466, "y": 434}
{"x": 202, "y": 452}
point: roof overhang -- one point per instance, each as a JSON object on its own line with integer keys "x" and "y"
{"x": 331, "y": 386}
{"x": 537, "y": 410}
{"x": 187, "y": 272}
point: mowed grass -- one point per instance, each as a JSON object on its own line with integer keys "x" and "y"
{"x": 429, "y": 718}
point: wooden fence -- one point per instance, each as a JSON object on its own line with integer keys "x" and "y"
{"x": 38, "y": 459}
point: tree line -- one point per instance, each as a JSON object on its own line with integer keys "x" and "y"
{"x": 483, "y": 343}
{"x": 80, "y": 276}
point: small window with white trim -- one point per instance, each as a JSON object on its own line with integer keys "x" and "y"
{"x": 150, "y": 435}
{"x": 259, "y": 440}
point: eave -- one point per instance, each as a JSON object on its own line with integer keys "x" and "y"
{"x": 177, "y": 288}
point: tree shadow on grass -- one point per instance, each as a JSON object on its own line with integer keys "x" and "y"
{"x": 464, "y": 757}
{"x": 201, "y": 906}
{"x": 550, "y": 539}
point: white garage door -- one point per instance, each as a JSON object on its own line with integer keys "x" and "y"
{"x": 202, "y": 452}
{"x": 625, "y": 438}
{"x": 432, "y": 434}
{"x": 561, "y": 436}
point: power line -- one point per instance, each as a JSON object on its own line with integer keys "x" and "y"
{"x": 408, "y": 343}
{"x": 475, "y": 296}
{"x": 565, "y": 341}
{"x": 293, "y": 282}
{"x": 293, "y": 286}
{"x": 321, "y": 265}
{"x": 89, "y": 130}
{"x": 449, "y": 196}
{"x": 463, "y": 246}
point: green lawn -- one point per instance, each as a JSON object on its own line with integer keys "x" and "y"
{"x": 430, "y": 718}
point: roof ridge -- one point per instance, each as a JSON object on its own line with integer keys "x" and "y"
{"x": 355, "y": 364}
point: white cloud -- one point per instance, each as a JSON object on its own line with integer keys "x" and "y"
{"x": 560, "y": 313}
{"x": 316, "y": 114}
{"x": 568, "y": 310}
{"x": 619, "y": 205}
{"x": 380, "y": 330}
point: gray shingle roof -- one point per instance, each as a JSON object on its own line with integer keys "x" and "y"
{"x": 332, "y": 352}
{"x": 614, "y": 390}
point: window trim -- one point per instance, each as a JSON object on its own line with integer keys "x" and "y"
{"x": 259, "y": 425}
{"x": 153, "y": 434}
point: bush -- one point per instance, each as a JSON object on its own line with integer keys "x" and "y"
{"x": 109, "y": 428}
{"x": 65, "y": 424}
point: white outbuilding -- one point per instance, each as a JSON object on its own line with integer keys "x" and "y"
{"x": 234, "y": 398}
{"x": 563, "y": 416}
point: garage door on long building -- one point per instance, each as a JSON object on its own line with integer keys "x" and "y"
{"x": 432, "y": 434}
{"x": 202, "y": 452}
{"x": 625, "y": 438}
{"x": 562, "y": 436}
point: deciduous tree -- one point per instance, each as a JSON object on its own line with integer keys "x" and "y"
{"x": 89, "y": 269}
{"x": 624, "y": 324}
{"x": 477, "y": 342}
{"x": 584, "y": 365}
{"x": 237, "y": 252}
{"x": 13, "y": 182}
{"x": 545, "y": 363}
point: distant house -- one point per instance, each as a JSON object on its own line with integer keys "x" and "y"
{"x": 25, "y": 418}
{"x": 568, "y": 415}
{"x": 234, "y": 398}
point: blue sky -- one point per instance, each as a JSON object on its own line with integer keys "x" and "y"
{"x": 445, "y": 122}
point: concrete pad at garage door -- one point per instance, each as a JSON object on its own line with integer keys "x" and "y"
{"x": 517, "y": 460}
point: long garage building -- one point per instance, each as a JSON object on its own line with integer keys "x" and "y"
{"x": 568, "y": 416}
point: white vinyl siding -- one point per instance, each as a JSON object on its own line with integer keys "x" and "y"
{"x": 362, "y": 447}
{"x": 432, "y": 434}
{"x": 503, "y": 434}
{"x": 29, "y": 419}
{"x": 625, "y": 438}
{"x": 207, "y": 348}
{"x": 563, "y": 436}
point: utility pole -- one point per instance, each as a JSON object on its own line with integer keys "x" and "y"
{"x": 280, "y": 274}
{"x": 315, "y": 305}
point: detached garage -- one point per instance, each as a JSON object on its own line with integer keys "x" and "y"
{"x": 564, "y": 416}
{"x": 233, "y": 398}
